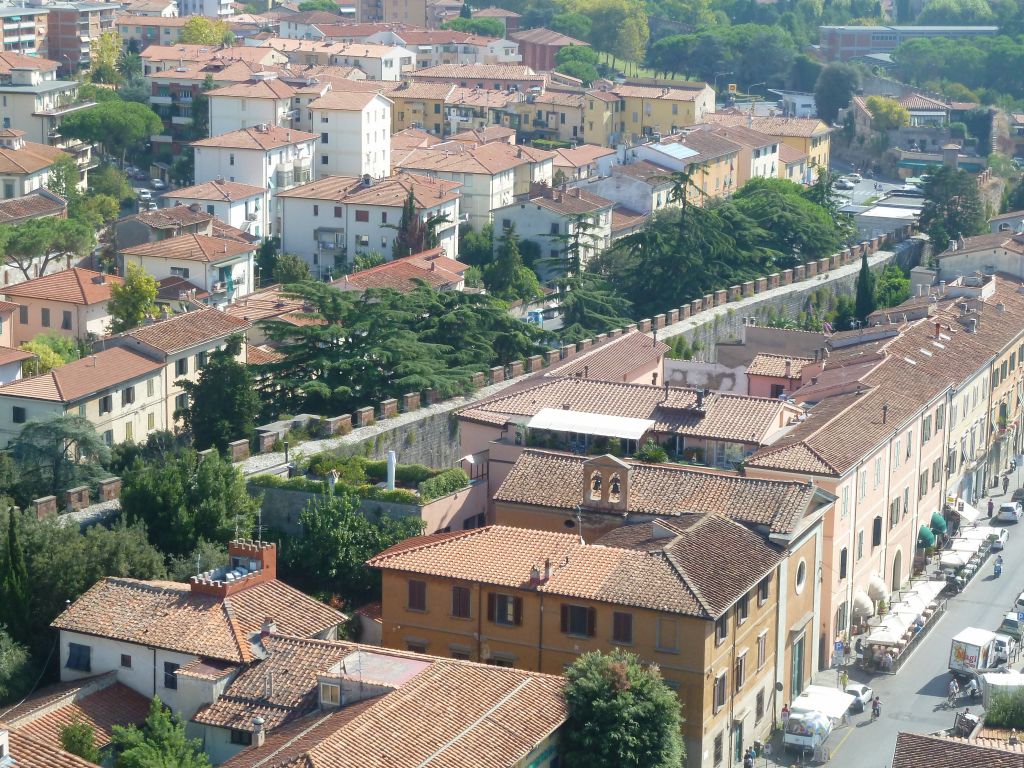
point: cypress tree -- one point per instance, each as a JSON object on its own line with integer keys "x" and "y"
{"x": 14, "y": 585}
{"x": 865, "y": 303}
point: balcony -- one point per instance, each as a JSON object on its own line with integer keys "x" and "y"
{"x": 161, "y": 100}
{"x": 65, "y": 109}
{"x": 160, "y": 138}
{"x": 179, "y": 120}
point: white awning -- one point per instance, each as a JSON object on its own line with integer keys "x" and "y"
{"x": 927, "y": 591}
{"x": 562, "y": 420}
{"x": 877, "y": 589}
{"x": 862, "y": 605}
{"x": 967, "y": 512}
{"x": 975, "y": 534}
{"x": 953, "y": 559}
{"x": 967, "y": 546}
{"x": 884, "y": 635}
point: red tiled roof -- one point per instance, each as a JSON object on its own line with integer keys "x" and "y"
{"x": 71, "y": 382}
{"x": 914, "y": 750}
{"x": 187, "y": 330}
{"x": 254, "y": 138}
{"x": 34, "y": 205}
{"x": 191, "y": 247}
{"x": 71, "y": 286}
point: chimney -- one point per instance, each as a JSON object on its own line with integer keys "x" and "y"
{"x": 920, "y": 290}
{"x": 269, "y": 627}
{"x": 547, "y": 568}
{"x": 586, "y": 371}
{"x": 392, "y": 462}
{"x": 885, "y": 412}
{"x": 259, "y": 733}
{"x": 972, "y": 325}
{"x": 268, "y": 685}
{"x": 942, "y": 287}
{"x": 952, "y": 245}
{"x": 789, "y": 368}
{"x": 700, "y": 398}
{"x": 938, "y": 327}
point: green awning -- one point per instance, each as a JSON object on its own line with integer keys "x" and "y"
{"x": 938, "y": 523}
{"x": 925, "y": 537}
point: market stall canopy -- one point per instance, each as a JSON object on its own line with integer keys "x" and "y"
{"x": 954, "y": 559}
{"x": 938, "y": 523}
{"x": 830, "y": 702}
{"x": 885, "y": 635}
{"x": 562, "y": 420}
{"x": 975, "y": 534}
{"x": 925, "y": 537}
{"x": 927, "y": 591}
{"x": 862, "y": 605}
{"x": 967, "y": 512}
{"x": 877, "y": 589}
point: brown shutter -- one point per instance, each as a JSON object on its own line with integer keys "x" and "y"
{"x": 565, "y": 618}
{"x": 517, "y": 611}
{"x": 492, "y": 605}
{"x": 591, "y": 621}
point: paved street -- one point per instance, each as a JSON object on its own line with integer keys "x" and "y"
{"x": 914, "y": 698}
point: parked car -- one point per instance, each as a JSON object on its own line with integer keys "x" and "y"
{"x": 843, "y": 184}
{"x": 862, "y": 696}
{"x": 158, "y": 184}
{"x": 151, "y": 206}
{"x": 140, "y": 175}
{"x": 1009, "y": 512}
{"x": 1012, "y": 625}
{"x": 1018, "y": 496}
{"x": 145, "y": 195}
{"x": 855, "y": 177}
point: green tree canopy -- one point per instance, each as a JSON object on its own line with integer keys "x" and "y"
{"x": 63, "y": 177}
{"x": 133, "y": 301}
{"x": 160, "y": 742}
{"x": 887, "y": 114}
{"x": 836, "y": 85}
{"x": 79, "y": 738}
{"x": 184, "y": 498}
{"x": 15, "y": 668}
{"x": 507, "y": 277}
{"x": 484, "y": 27}
{"x": 892, "y": 287}
{"x": 110, "y": 180}
{"x": 621, "y": 714}
{"x": 289, "y": 268}
{"x": 118, "y": 125}
{"x": 52, "y": 350}
{"x": 199, "y": 30}
{"x": 38, "y": 243}
{"x": 865, "y": 299}
{"x": 952, "y": 207}
{"x": 223, "y": 402}
{"x": 56, "y": 454}
{"x": 337, "y": 540}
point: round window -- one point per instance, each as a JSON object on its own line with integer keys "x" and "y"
{"x": 570, "y": 523}
{"x": 801, "y": 576}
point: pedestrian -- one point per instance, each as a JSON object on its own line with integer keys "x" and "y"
{"x": 991, "y": 506}
{"x": 844, "y": 680}
{"x": 1006, "y": 482}
{"x": 748, "y": 758}
{"x": 785, "y": 715}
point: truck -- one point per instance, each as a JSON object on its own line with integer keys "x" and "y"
{"x": 971, "y": 651}
{"x": 813, "y": 715}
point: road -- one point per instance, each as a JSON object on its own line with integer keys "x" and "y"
{"x": 914, "y": 699}
{"x": 864, "y": 190}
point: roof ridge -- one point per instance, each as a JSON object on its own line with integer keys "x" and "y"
{"x": 683, "y": 576}
{"x": 434, "y": 539}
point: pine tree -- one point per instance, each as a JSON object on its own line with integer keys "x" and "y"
{"x": 412, "y": 232}
{"x": 865, "y": 303}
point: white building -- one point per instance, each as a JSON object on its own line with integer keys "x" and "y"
{"x": 262, "y": 100}
{"x": 329, "y": 221}
{"x": 34, "y": 101}
{"x": 490, "y": 174}
{"x": 547, "y": 216}
{"x": 434, "y": 47}
{"x": 355, "y": 133}
{"x": 213, "y": 9}
{"x": 24, "y": 165}
{"x": 243, "y": 206}
{"x": 223, "y": 268}
{"x": 379, "y": 62}
{"x": 270, "y": 157}
{"x": 182, "y": 642}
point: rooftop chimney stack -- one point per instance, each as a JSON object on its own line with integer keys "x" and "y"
{"x": 885, "y": 412}
{"x": 700, "y": 398}
{"x": 259, "y": 733}
{"x": 269, "y": 627}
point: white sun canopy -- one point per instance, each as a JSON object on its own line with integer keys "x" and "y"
{"x": 831, "y": 702}
{"x": 967, "y": 512}
{"x": 926, "y": 590}
{"x": 562, "y": 420}
{"x": 954, "y": 559}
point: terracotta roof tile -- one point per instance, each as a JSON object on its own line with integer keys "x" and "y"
{"x": 468, "y": 72}
{"x": 773, "y": 126}
{"x": 217, "y": 190}
{"x": 191, "y": 247}
{"x": 88, "y": 376}
{"x": 345, "y": 100}
{"x": 263, "y": 304}
{"x": 29, "y": 158}
{"x": 617, "y": 359}
{"x": 34, "y": 205}
{"x": 542, "y": 36}
{"x": 33, "y": 753}
{"x": 914, "y": 750}
{"x": 170, "y": 615}
{"x": 262, "y": 355}
{"x": 172, "y": 217}
{"x": 255, "y": 89}
{"x": 765, "y": 364}
{"x": 432, "y": 267}
{"x": 72, "y": 286}
{"x": 654, "y": 92}
{"x": 187, "y": 330}
{"x": 254, "y": 138}
{"x": 390, "y": 191}
{"x": 10, "y": 59}
{"x": 724, "y": 416}
{"x": 582, "y": 155}
{"x": 556, "y": 480}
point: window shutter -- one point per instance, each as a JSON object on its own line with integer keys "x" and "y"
{"x": 517, "y": 611}
{"x": 565, "y": 618}
{"x": 492, "y": 604}
{"x": 591, "y": 621}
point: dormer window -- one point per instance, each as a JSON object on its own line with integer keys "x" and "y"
{"x": 330, "y": 695}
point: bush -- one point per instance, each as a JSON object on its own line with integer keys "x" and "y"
{"x": 1006, "y": 710}
{"x": 351, "y": 469}
{"x": 397, "y": 496}
{"x": 291, "y": 484}
{"x": 652, "y": 453}
{"x": 446, "y": 482}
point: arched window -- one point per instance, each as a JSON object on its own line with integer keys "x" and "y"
{"x": 595, "y": 486}
{"x": 614, "y": 488}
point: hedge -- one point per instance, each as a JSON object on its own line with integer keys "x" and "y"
{"x": 370, "y": 492}
{"x": 449, "y": 481}
{"x": 291, "y": 484}
{"x": 397, "y": 496}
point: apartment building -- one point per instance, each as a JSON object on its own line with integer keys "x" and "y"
{"x": 414, "y": 13}
{"x": 72, "y": 302}
{"x": 24, "y": 165}
{"x": 378, "y": 62}
{"x": 181, "y": 345}
{"x": 25, "y": 30}
{"x": 261, "y": 100}
{"x": 245, "y": 207}
{"x": 808, "y": 136}
{"x": 73, "y": 27}
{"x": 552, "y": 115}
{"x": 141, "y": 31}
{"x": 434, "y": 47}
{"x": 270, "y": 157}
{"x": 539, "y": 46}
{"x": 758, "y": 157}
{"x": 658, "y": 108}
{"x": 516, "y": 597}
{"x": 119, "y": 391}
{"x": 842, "y": 43}
{"x": 212, "y": 9}
{"x": 711, "y": 159}
{"x": 355, "y": 133}
{"x": 330, "y": 221}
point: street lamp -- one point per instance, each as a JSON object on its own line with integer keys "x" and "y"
{"x": 750, "y": 88}
{"x": 718, "y": 75}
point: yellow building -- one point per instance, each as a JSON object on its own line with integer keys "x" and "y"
{"x": 420, "y": 105}
{"x": 650, "y": 110}
{"x": 601, "y": 118}
{"x": 715, "y": 604}
{"x": 807, "y": 135}
{"x": 713, "y": 159}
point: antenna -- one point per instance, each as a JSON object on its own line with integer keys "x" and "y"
{"x": 199, "y": 559}
{"x": 259, "y": 525}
